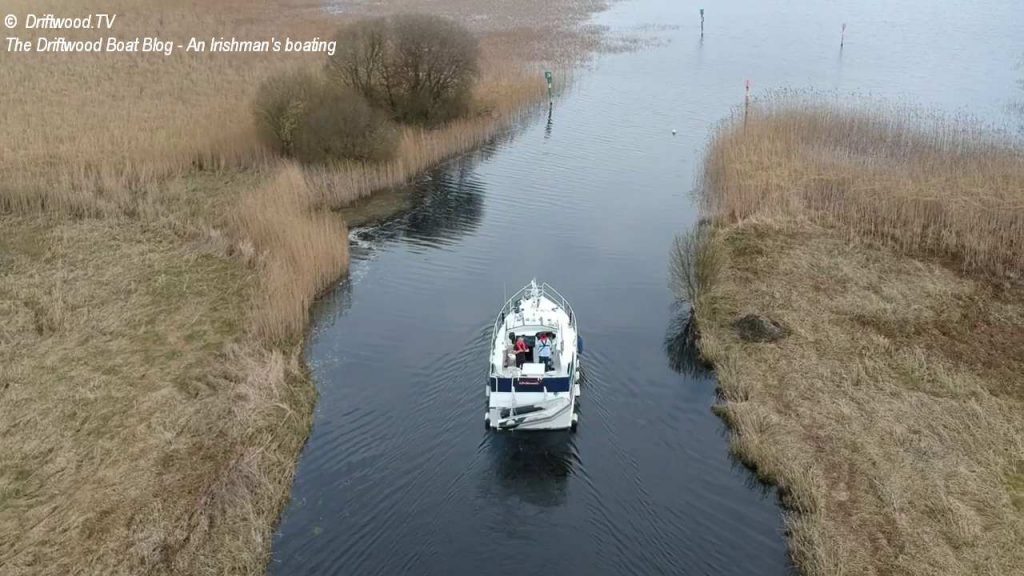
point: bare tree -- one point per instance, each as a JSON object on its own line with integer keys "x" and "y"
{"x": 421, "y": 68}
{"x": 359, "y": 58}
{"x": 694, "y": 263}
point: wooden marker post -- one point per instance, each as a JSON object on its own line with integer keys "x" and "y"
{"x": 701, "y": 22}
{"x": 842, "y": 36}
{"x": 549, "y": 78}
{"x": 746, "y": 105}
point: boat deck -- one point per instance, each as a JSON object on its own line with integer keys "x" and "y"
{"x": 530, "y": 311}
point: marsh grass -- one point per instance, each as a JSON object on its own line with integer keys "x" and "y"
{"x": 891, "y": 416}
{"x": 87, "y": 134}
{"x": 95, "y": 134}
{"x": 923, "y": 184}
{"x": 140, "y": 435}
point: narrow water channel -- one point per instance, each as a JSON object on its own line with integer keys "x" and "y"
{"x": 399, "y": 475}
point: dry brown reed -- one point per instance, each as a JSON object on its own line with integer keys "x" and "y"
{"x": 299, "y": 250}
{"x": 942, "y": 186}
{"x": 93, "y": 134}
{"x": 890, "y": 417}
{"x": 88, "y": 133}
{"x": 141, "y": 434}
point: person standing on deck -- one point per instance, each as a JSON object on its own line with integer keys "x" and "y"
{"x": 544, "y": 350}
{"x": 521, "y": 349}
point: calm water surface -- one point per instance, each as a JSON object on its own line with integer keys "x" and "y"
{"x": 399, "y": 475}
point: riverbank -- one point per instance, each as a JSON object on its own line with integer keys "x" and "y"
{"x": 888, "y": 407}
{"x": 157, "y": 266}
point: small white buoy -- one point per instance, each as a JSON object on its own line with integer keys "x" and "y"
{"x": 673, "y": 131}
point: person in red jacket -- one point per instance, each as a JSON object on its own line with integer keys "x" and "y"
{"x": 521, "y": 349}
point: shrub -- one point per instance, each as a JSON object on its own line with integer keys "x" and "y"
{"x": 280, "y": 106}
{"x": 340, "y": 124}
{"x": 420, "y": 68}
{"x": 303, "y": 116}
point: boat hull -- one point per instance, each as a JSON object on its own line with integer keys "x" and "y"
{"x": 549, "y": 413}
{"x": 555, "y": 385}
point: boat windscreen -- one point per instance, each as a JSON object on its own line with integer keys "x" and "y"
{"x": 533, "y": 330}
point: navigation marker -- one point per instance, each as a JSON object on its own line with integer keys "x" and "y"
{"x": 746, "y": 104}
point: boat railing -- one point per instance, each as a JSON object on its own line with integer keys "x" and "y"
{"x": 534, "y": 290}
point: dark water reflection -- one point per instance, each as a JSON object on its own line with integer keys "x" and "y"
{"x": 399, "y": 475}
{"x": 531, "y": 468}
{"x": 680, "y": 346}
{"x": 447, "y": 202}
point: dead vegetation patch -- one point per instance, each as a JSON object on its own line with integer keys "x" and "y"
{"x": 140, "y": 435}
{"x": 895, "y": 455}
{"x": 892, "y": 416}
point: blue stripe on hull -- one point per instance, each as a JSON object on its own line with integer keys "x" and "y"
{"x": 559, "y": 384}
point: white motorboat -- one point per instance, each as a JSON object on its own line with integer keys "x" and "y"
{"x": 535, "y": 371}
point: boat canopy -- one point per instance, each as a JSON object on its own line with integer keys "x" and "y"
{"x": 532, "y": 330}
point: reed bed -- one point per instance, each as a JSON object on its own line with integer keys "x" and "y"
{"x": 141, "y": 433}
{"x": 298, "y": 250}
{"x": 95, "y": 134}
{"x": 86, "y": 134}
{"x": 888, "y": 244}
{"x": 921, "y": 183}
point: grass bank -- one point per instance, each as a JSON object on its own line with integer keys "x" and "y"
{"x": 888, "y": 248}
{"x": 156, "y": 269}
